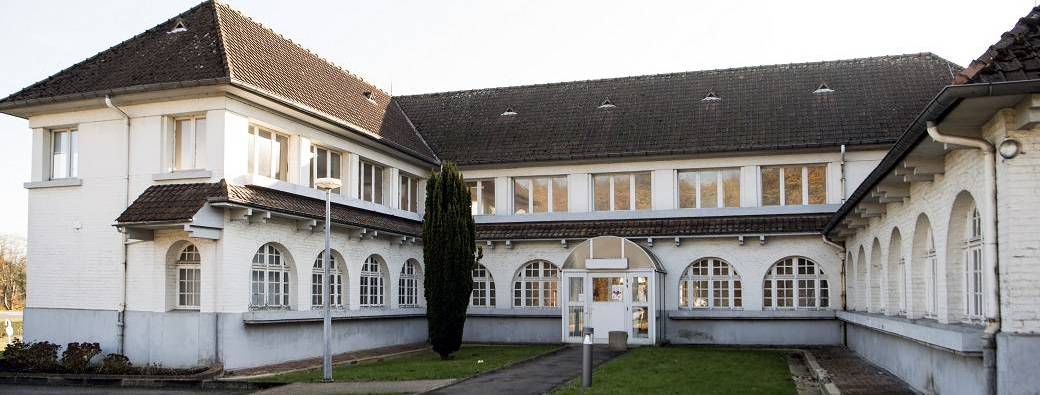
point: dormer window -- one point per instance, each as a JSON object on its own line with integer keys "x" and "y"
{"x": 509, "y": 112}
{"x": 180, "y": 26}
{"x": 368, "y": 96}
{"x": 823, "y": 88}
{"x": 607, "y": 104}
{"x": 711, "y": 97}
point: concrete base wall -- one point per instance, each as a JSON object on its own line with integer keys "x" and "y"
{"x": 754, "y": 332}
{"x": 171, "y": 339}
{"x": 512, "y": 330}
{"x": 1018, "y": 364}
{"x": 927, "y": 369}
{"x": 64, "y": 326}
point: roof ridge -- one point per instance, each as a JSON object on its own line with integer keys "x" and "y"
{"x": 415, "y": 130}
{"x": 223, "y": 42}
{"x": 720, "y": 70}
{"x": 305, "y": 49}
{"x": 99, "y": 53}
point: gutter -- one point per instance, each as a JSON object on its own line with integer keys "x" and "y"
{"x": 121, "y": 317}
{"x": 989, "y": 246}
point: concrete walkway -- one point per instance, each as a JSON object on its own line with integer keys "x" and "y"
{"x": 358, "y": 387}
{"x": 855, "y": 375}
{"x": 537, "y": 376}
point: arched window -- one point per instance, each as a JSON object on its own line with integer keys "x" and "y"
{"x": 973, "y": 264}
{"x": 710, "y": 283}
{"x": 408, "y": 284}
{"x": 795, "y": 283}
{"x": 536, "y": 285}
{"x": 372, "y": 286}
{"x": 483, "y": 288}
{"x": 270, "y": 279}
{"x": 317, "y": 276}
{"x": 188, "y": 277}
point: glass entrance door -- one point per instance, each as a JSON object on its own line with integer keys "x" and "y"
{"x": 609, "y": 302}
{"x": 607, "y": 310}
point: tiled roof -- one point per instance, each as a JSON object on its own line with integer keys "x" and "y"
{"x": 221, "y": 45}
{"x": 761, "y": 108}
{"x": 1014, "y": 57}
{"x": 179, "y": 202}
{"x": 658, "y": 227}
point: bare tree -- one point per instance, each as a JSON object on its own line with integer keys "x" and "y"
{"x": 12, "y": 273}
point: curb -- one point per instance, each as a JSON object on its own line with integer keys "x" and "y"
{"x": 334, "y": 364}
{"x": 827, "y": 386}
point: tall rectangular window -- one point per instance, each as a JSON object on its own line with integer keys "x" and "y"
{"x": 64, "y": 153}
{"x": 409, "y": 192}
{"x": 268, "y": 153}
{"x": 621, "y": 191}
{"x": 325, "y": 163}
{"x": 539, "y": 194}
{"x": 189, "y": 143}
{"x": 709, "y": 188}
{"x": 794, "y": 185}
{"x": 371, "y": 180}
{"x": 482, "y": 197}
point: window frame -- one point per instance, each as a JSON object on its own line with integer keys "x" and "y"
{"x": 734, "y": 286}
{"x": 377, "y": 169}
{"x": 632, "y": 191}
{"x": 550, "y": 184}
{"x": 188, "y": 260}
{"x": 483, "y": 294}
{"x": 481, "y": 208}
{"x": 409, "y": 285}
{"x": 265, "y": 267}
{"x": 720, "y": 190}
{"x": 370, "y": 280}
{"x": 794, "y": 284}
{"x": 974, "y": 268}
{"x": 548, "y": 285}
{"x": 253, "y": 162}
{"x": 330, "y": 170}
{"x": 336, "y": 290}
{"x": 176, "y": 149}
{"x": 70, "y": 158}
{"x": 408, "y": 192}
{"x": 782, "y": 193}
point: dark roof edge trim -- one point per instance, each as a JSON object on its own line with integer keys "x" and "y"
{"x": 228, "y": 200}
{"x": 936, "y": 110}
{"x": 681, "y": 236}
{"x": 118, "y": 91}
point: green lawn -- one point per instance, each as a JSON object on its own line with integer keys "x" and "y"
{"x": 675, "y": 370}
{"x": 468, "y": 361}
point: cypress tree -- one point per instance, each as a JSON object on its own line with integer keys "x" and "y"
{"x": 448, "y": 251}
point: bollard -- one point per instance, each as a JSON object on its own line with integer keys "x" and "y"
{"x": 586, "y": 359}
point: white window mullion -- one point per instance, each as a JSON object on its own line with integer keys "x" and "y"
{"x": 719, "y": 198}
{"x": 549, "y": 204}
{"x": 783, "y": 191}
{"x": 611, "y": 178}
{"x": 805, "y": 185}
{"x": 632, "y": 192}
{"x": 697, "y": 189}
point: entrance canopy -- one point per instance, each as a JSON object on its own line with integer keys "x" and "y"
{"x": 611, "y": 253}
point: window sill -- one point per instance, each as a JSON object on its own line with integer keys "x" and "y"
{"x": 737, "y": 314}
{"x": 182, "y": 175}
{"x": 518, "y": 312}
{"x": 960, "y": 338}
{"x": 61, "y": 182}
{"x": 289, "y": 316}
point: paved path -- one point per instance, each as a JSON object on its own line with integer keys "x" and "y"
{"x": 854, "y": 375}
{"x": 96, "y": 390}
{"x": 358, "y": 387}
{"x": 537, "y": 376}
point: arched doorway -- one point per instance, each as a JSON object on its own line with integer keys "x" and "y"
{"x": 612, "y": 284}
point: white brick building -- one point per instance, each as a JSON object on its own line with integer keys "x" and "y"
{"x": 173, "y": 219}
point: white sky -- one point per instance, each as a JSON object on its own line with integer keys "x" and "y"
{"x": 428, "y": 46}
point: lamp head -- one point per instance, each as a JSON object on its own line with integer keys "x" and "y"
{"x": 327, "y": 183}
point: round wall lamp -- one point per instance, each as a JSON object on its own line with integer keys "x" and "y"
{"x": 1009, "y": 148}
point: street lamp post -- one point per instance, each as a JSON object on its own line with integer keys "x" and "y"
{"x": 327, "y": 185}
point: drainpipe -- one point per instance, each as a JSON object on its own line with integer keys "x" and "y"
{"x": 121, "y": 315}
{"x": 841, "y": 257}
{"x": 989, "y": 251}
{"x": 843, "y": 174}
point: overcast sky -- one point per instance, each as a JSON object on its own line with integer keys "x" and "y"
{"x": 427, "y": 46}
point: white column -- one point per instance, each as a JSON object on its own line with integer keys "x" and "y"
{"x": 350, "y": 176}
{"x": 834, "y": 192}
{"x": 579, "y": 192}
{"x": 303, "y": 168}
{"x": 394, "y": 188}
{"x": 234, "y": 135}
{"x": 41, "y": 164}
{"x": 503, "y": 196}
{"x": 663, "y": 191}
{"x": 749, "y": 186}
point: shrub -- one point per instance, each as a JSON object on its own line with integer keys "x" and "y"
{"x": 77, "y": 356}
{"x": 115, "y": 364}
{"x": 31, "y": 357}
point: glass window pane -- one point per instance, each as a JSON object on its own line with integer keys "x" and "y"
{"x": 366, "y": 182}
{"x": 73, "y": 153}
{"x": 770, "y": 186}
{"x": 575, "y": 320}
{"x": 559, "y": 190}
{"x": 377, "y": 184}
{"x": 540, "y": 195}
{"x": 251, "y": 156}
{"x": 263, "y": 153}
{"x": 817, "y": 184}
{"x": 488, "y": 194}
{"x": 521, "y": 196}
{"x": 182, "y": 144}
{"x": 200, "y": 143}
{"x": 321, "y": 163}
{"x": 403, "y": 191}
{"x": 473, "y": 202}
{"x": 792, "y": 185}
{"x": 622, "y": 192}
{"x": 709, "y": 189}
{"x": 282, "y": 161}
{"x": 59, "y": 156}
{"x": 641, "y": 291}
{"x": 640, "y": 322}
{"x": 687, "y": 189}
{"x": 576, "y": 289}
{"x": 730, "y": 187}
{"x": 601, "y": 192}
{"x": 643, "y": 201}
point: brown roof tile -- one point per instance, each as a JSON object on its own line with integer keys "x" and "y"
{"x": 1015, "y": 57}
{"x": 662, "y": 227}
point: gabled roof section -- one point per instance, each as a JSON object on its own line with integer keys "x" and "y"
{"x": 219, "y": 45}
{"x": 654, "y": 227}
{"x": 1015, "y": 57}
{"x": 763, "y": 108}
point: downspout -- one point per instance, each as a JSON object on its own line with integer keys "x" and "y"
{"x": 842, "y": 256}
{"x": 121, "y": 314}
{"x": 989, "y": 251}
{"x": 843, "y": 174}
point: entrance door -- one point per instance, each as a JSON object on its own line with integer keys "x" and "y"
{"x": 608, "y": 307}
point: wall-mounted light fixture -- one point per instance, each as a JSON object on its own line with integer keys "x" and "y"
{"x": 1009, "y": 148}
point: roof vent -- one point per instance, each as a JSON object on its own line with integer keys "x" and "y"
{"x": 179, "y": 27}
{"x": 711, "y": 97}
{"x": 368, "y": 95}
{"x": 509, "y": 112}
{"x": 606, "y": 104}
{"x": 823, "y": 88}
